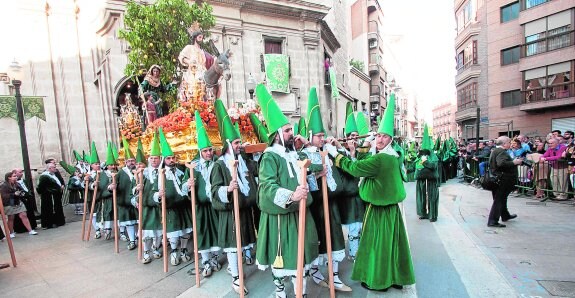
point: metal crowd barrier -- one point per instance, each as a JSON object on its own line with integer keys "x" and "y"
{"x": 545, "y": 180}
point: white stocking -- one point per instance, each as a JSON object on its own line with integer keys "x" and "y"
{"x": 233, "y": 263}
{"x": 131, "y": 232}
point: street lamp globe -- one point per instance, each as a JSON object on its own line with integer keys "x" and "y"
{"x": 15, "y": 71}
{"x": 251, "y": 84}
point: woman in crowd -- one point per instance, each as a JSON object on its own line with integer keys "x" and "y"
{"x": 12, "y": 195}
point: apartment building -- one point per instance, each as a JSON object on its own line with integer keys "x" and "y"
{"x": 472, "y": 66}
{"x": 531, "y": 61}
{"x": 515, "y": 62}
{"x": 444, "y": 124}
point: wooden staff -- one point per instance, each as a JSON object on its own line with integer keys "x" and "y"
{"x": 327, "y": 226}
{"x": 114, "y": 202}
{"x": 303, "y": 164}
{"x": 164, "y": 215}
{"x": 86, "y": 181}
{"x": 96, "y": 182}
{"x": 194, "y": 225}
{"x": 234, "y": 164}
{"x": 140, "y": 176}
{"x": 7, "y": 229}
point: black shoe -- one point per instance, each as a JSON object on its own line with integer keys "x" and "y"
{"x": 423, "y": 217}
{"x": 511, "y": 216}
{"x": 433, "y": 220}
{"x": 399, "y": 287}
{"x": 496, "y": 225}
{"x": 365, "y": 286}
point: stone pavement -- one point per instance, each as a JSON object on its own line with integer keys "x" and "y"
{"x": 458, "y": 256}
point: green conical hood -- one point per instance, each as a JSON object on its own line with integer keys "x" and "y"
{"x": 94, "y": 154}
{"x": 85, "y": 157}
{"x": 110, "y": 160}
{"x": 140, "y": 145}
{"x": 260, "y": 130}
{"x": 437, "y": 143}
{"x": 387, "y": 123}
{"x": 314, "y": 122}
{"x": 115, "y": 150}
{"x": 77, "y": 156}
{"x": 350, "y": 124}
{"x": 127, "y": 153}
{"x": 225, "y": 126}
{"x": 362, "y": 123}
{"x": 302, "y": 128}
{"x": 426, "y": 141}
{"x": 166, "y": 149}
{"x": 70, "y": 169}
{"x": 272, "y": 113}
{"x": 201, "y": 134}
{"x": 155, "y": 146}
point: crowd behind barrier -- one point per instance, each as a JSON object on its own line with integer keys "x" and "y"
{"x": 544, "y": 179}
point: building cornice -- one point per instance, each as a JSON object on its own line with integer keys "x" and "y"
{"x": 305, "y": 10}
{"x": 360, "y": 74}
{"x": 329, "y": 38}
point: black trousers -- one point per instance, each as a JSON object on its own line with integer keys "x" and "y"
{"x": 52, "y": 210}
{"x": 499, "y": 206}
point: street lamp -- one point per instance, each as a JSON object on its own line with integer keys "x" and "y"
{"x": 251, "y": 84}
{"x": 15, "y": 73}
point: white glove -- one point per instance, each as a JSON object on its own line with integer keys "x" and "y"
{"x": 331, "y": 149}
{"x": 134, "y": 201}
{"x": 371, "y": 137}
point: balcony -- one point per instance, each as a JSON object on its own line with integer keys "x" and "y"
{"x": 547, "y": 44}
{"x": 373, "y": 69}
{"x": 374, "y": 90}
{"x": 466, "y": 111}
{"x": 371, "y": 6}
{"x": 560, "y": 95}
{"x": 467, "y": 71}
{"x": 527, "y": 4}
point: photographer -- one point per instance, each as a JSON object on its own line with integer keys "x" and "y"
{"x": 504, "y": 167}
{"x": 12, "y": 195}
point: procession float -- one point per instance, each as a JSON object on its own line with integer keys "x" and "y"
{"x": 200, "y": 74}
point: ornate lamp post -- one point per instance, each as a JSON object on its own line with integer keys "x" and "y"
{"x": 251, "y": 84}
{"x": 15, "y": 73}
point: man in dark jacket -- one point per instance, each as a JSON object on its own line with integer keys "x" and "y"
{"x": 501, "y": 165}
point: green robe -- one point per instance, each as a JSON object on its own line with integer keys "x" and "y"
{"x": 151, "y": 210}
{"x": 104, "y": 199}
{"x": 351, "y": 207}
{"x": 427, "y": 190}
{"x": 178, "y": 206}
{"x": 279, "y": 218}
{"x": 206, "y": 216}
{"x": 383, "y": 258}
{"x": 221, "y": 177}
{"x": 125, "y": 183}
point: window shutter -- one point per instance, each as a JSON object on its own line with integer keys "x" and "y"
{"x": 475, "y": 52}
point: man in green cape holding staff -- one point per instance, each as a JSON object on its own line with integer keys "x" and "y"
{"x": 426, "y": 176}
{"x": 125, "y": 191}
{"x": 381, "y": 262}
{"x": 316, "y": 134}
{"x": 206, "y": 216}
{"x": 278, "y": 196}
{"x": 223, "y": 187}
{"x": 151, "y": 210}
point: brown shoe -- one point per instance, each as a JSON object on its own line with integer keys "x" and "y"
{"x": 4, "y": 266}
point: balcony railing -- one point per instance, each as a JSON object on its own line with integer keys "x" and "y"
{"x": 546, "y": 44}
{"x": 465, "y": 66}
{"x": 552, "y": 92}
{"x": 465, "y": 105}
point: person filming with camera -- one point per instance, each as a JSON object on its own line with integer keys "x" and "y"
{"x": 505, "y": 168}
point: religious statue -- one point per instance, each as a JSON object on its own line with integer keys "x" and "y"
{"x": 202, "y": 73}
{"x": 154, "y": 86}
